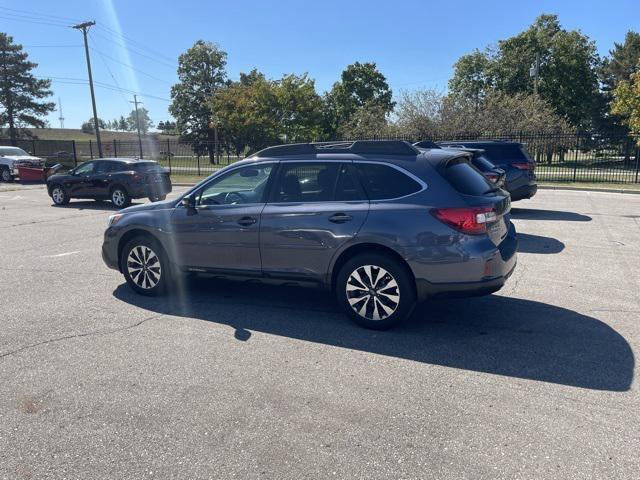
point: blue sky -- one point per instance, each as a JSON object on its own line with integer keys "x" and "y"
{"x": 415, "y": 44}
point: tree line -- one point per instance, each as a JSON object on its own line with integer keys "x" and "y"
{"x": 546, "y": 78}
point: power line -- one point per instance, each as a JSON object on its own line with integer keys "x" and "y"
{"x": 132, "y": 50}
{"x": 102, "y": 54}
{"x": 138, "y": 44}
{"x": 46, "y": 15}
{"x": 52, "y": 46}
{"x": 110, "y": 72}
{"x": 107, "y": 86}
{"x": 33, "y": 21}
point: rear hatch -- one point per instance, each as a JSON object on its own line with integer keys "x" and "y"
{"x": 514, "y": 155}
{"x": 488, "y": 205}
{"x": 153, "y": 174}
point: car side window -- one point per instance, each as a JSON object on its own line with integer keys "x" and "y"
{"x": 85, "y": 169}
{"x": 306, "y": 182}
{"x": 245, "y": 185}
{"x": 104, "y": 167}
{"x": 382, "y": 182}
{"x": 349, "y": 188}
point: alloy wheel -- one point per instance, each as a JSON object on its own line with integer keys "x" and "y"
{"x": 143, "y": 266}
{"x": 372, "y": 292}
{"x": 58, "y": 195}
{"x": 118, "y": 198}
{"x": 6, "y": 175}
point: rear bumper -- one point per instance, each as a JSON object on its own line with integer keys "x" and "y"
{"x": 526, "y": 191}
{"x": 482, "y": 268}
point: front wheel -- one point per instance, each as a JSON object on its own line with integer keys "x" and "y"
{"x": 59, "y": 195}
{"x": 145, "y": 266}
{"x": 5, "y": 175}
{"x": 376, "y": 291}
{"x": 120, "y": 198}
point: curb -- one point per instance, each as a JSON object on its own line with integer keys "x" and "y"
{"x": 588, "y": 189}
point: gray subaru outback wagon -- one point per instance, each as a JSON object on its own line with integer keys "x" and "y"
{"x": 379, "y": 222}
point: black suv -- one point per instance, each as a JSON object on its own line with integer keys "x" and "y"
{"x": 116, "y": 179}
{"x": 380, "y": 223}
{"x": 511, "y": 157}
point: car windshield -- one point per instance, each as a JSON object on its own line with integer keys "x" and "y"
{"x": 12, "y": 152}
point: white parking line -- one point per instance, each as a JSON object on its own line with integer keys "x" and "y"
{"x": 65, "y": 254}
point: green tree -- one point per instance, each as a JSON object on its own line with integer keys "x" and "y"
{"x": 20, "y": 90}
{"x": 142, "y": 118}
{"x": 567, "y": 77}
{"x": 122, "y": 124}
{"x": 201, "y": 72}
{"x": 367, "y": 122}
{"x": 297, "y": 108}
{"x": 419, "y": 111}
{"x": 626, "y": 101}
{"x": 622, "y": 62}
{"x": 472, "y": 76}
{"x": 360, "y": 84}
{"x": 88, "y": 126}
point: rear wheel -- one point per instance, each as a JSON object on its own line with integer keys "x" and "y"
{"x": 5, "y": 174}
{"x": 376, "y": 291}
{"x": 157, "y": 198}
{"x": 59, "y": 195}
{"x": 120, "y": 198}
{"x": 145, "y": 266}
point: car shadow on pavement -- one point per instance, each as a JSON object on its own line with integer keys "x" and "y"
{"x": 539, "y": 214}
{"x": 91, "y": 205}
{"x": 528, "y": 243}
{"x": 493, "y": 334}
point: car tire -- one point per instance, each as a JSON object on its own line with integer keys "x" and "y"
{"x": 157, "y": 198}
{"x": 141, "y": 252}
{"x": 375, "y": 290}
{"x": 59, "y": 195}
{"x": 5, "y": 175}
{"x": 119, "y": 197}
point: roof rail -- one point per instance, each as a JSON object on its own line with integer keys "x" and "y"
{"x": 362, "y": 147}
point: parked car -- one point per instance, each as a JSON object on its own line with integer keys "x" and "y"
{"x": 11, "y": 158}
{"x": 494, "y": 174}
{"x": 380, "y": 223}
{"x": 512, "y": 157}
{"x": 117, "y": 179}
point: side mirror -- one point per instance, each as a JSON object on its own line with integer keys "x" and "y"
{"x": 188, "y": 202}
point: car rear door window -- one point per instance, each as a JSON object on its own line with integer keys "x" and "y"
{"x": 465, "y": 178}
{"x": 348, "y": 188}
{"x": 306, "y": 182}
{"x": 505, "y": 153}
{"x": 382, "y": 182}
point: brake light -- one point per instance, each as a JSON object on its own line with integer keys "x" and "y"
{"x": 524, "y": 166}
{"x": 492, "y": 177}
{"x": 472, "y": 221}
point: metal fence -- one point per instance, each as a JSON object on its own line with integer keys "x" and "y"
{"x": 559, "y": 156}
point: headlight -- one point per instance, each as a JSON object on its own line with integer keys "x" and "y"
{"x": 113, "y": 219}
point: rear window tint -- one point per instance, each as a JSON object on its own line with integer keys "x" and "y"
{"x": 465, "y": 178}
{"x": 145, "y": 166}
{"x": 382, "y": 182}
{"x": 504, "y": 153}
{"x": 482, "y": 164}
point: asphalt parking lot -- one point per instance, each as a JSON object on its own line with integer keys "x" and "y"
{"x": 248, "y": 381}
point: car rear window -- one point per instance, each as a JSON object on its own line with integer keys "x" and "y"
{"x": 145, "y": 166}
{"x": 465, "y": 178}
{"x": 482, "y": 164}
{"x": 504, "y": 153}
{"x": 382, "y": 182}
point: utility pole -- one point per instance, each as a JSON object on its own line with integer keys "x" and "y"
{"x": 135, "y": 102}
{"x": 534, "y": 72}
{"x": 61, "y": 117}
{"x": 85, "y": 27}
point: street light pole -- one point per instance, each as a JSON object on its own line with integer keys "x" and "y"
{"x": 85, "y": 27}
{"x": 135, "y": 102}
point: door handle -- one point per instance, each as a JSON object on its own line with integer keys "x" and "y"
{"x": 340, "y": 218}
{"x": 247, "y": 221}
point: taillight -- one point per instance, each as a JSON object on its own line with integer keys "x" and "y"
{"x": 472, "y": 221}
{"x": 492, "y": 177}
{"x": 137, "y": 177}
{"x": 524, "y": 166}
